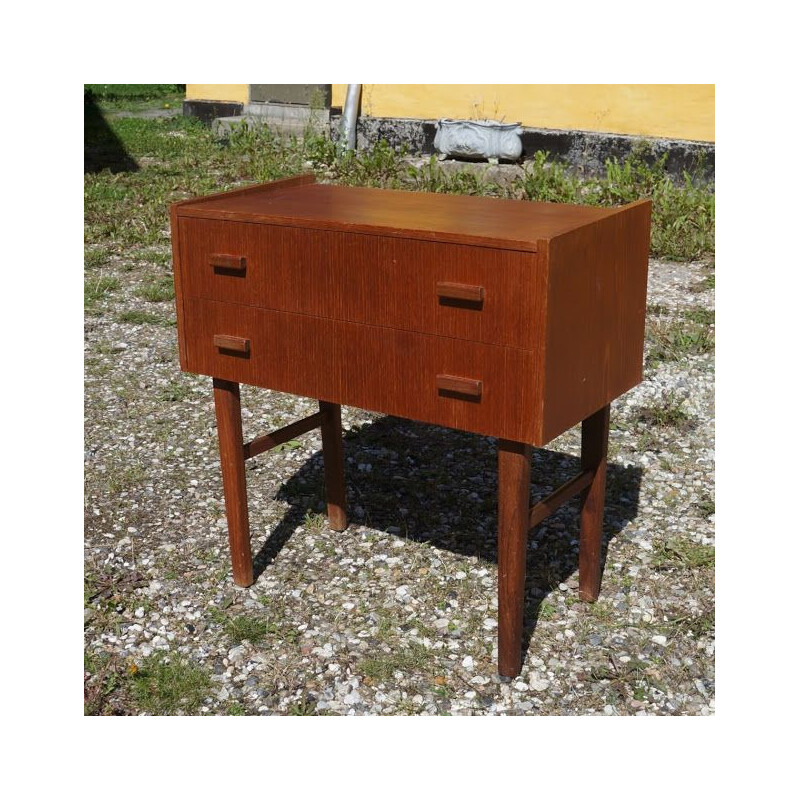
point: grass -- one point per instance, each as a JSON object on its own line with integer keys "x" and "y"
{"x": 156, "y": 685}
{"x": 682, "y": 554}
{"x": 158, "y": 290}
{"x": 175, "y": 391}
{"x": 676, "y": 340}
{"x": 179, "y": 157}
{"x": 142, "y": 318}
{"x": 122, "y": 478}
{"x": 241, "y": 628}
{"x": 669, "y": 413}
{"x": 166, "y": 688}
{"x": 415, "y": 658}
{"x": 95, "y": 289}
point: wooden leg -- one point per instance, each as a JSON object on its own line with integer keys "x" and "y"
{"x": 594, "y": 452}
{"x": 333, "y": 458}
{"x": 231, "y": 456}
{"x": 514, "y": 475}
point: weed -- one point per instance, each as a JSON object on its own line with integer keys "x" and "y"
{"x": 548, "y": 181}
{"x": 697, "y": 625}
{"x": 243, "y": 627}
{"x": 121, "y": 479}
{"x": 95, "y": 289}
{"x": 94, "y": 258}
{"x": 705, "y": 506}
{"x": 158, "y": 290}
{"x": 381, "y": 667}
{"x": 673, "y": 340}
{"x": 292, "y": 444}
{"x": 669, "y": 413}
{"x": 657, "y": 310}
{"x": 707, "y": 284}
{"x": 166, "y": 688}
{"x": 236, "y": 710}
{"x": 305, "y": 707}
{"x": 682, "y": 554}
{"x": 140, "y": 318}
{"x": 700, "y": 315}
{"x": 101, "y": 680}
{"x": 314, "y": 522}
{"x": 546, "y": 610}
{"x": 174, "y": 392}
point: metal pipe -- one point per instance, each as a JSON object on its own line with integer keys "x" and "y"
{"x": 347, "y": 139}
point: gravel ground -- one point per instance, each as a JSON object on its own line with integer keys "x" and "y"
{"x": 397, "y": 615}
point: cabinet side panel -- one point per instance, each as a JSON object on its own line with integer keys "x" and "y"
{"x": 597, "y": 295}
{"x": 179, "y": 286}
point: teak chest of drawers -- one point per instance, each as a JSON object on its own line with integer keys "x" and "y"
{"x": 506, "y": 318}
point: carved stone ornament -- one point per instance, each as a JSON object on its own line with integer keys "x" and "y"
{"x": 478, "y": 139}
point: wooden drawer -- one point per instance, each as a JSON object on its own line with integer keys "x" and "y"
{"x": 482, "y": 294}
{"x": 471, "y": 386}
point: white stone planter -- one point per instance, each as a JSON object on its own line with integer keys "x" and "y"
{"x": 484, "y": 138}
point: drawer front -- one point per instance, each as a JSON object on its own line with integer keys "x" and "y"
{"x": 471, "y": 386}
{"x": 481, "y": 294}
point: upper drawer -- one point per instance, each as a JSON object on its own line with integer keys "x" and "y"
{"x": 476, "y": 293}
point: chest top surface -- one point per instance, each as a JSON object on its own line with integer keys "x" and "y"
{"x": 487, "y": 221}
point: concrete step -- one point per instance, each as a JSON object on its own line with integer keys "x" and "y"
{"x": 290, "y": 120}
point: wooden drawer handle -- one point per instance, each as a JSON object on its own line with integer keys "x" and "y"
{"x": 459, "y": 291}
{"x": 467, "y": 387}
{"x": 237, "y": 264}
{"x": 233, "y": 343}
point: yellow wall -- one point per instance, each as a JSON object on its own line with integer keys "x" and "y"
{"x": 226, "y": 92}
{"x": 669, "y": 110}
{"x": 672, "y": 111}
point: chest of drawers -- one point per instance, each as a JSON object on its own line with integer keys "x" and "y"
{"x": 505, "y": 318}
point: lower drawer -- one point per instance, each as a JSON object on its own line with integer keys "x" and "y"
{"x": 470, "y": 386}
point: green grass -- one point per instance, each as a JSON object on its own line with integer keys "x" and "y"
{"x": 132, "y": 91}
{"x": 122, "y": 478}
{"x": 669, "y": 413}
{"x": 95, "y": 289}
{"x": 158, "y": 290}
{"x": 243, "y": 627}
{"x": 179, "y": 158}
{"x": 414, "y": 659}
{"x": 682, "y": 554}
{"x": 675, "y": 340}
{"x": 168, "y": 688}
{"x": 175, "y": 391}
{"x": 141, "y": 318}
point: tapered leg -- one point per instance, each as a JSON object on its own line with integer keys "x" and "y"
{"x": 594, "y": 452}
{"x": 231, "y": 455}
{"x": 333, "y": 458}
{"x": 513, "y": 490}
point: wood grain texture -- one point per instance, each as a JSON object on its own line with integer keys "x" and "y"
{"x": 596, "y": 300}
{"x": 369, "y": 279}
{"x": 333, "y": 460}
{"x": 235, "y": 344}
{"x": 263, "y": 443}
{"x": 455, "y": 385}
{"x": 228, "y": 408}
{"x": 544, "y": 508}
{"x": 493, "y": 222}
{"x": 379, "y": 369}
{"x": 180, "y": 294}
{"x": 513, "y": 489}
{"x": 594, "y": 456}
{"x": 258, "y": 189}
{"x": 228, "y": 263}
{"x": 459, "y": 291}
{"x": 505, "y": 318}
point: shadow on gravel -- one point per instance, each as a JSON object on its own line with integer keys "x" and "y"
{"x": 101, "y": 147}
{"x": 439, "y": 486}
